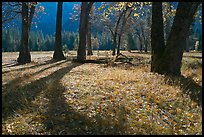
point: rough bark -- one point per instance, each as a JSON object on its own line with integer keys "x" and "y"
{"x": 58, "y": 53}
{"x": 157, "y": 35}
{"x": 24, "y": 55}
{"x": 171, "y": 59}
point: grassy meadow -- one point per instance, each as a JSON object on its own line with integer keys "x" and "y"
{"x": 47, "y": 97}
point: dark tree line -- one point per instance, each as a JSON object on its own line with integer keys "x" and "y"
{"x": 40, "y": 42}
{"x": 37, "y": 41}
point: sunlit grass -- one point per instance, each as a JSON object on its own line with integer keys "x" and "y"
{"x": 101, "y": 99}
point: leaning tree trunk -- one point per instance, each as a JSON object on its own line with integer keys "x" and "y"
{"x": 171, "y": 59}
{"x": 58, "y": 54}
{"x": 24, "y": 55}
{"x": 157, "y": 35}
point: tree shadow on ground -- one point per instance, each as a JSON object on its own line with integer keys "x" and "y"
{"x": 61, "y": 118}
{"x": 29, "y": 67}
{"x": 16, "y": 82}
{"x": 188, "y": 86}
{"x": 64, "y": 119}
{"x": 131, "y": 61}
{"x": 9, "y": 64}
{"x": 139, "y": 52}
{"x": 195, "y": 57}
{"x": 22, "y": 96}
{"x": 193, "y": 65}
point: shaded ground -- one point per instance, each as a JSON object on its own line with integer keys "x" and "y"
{"x": 49, "y": 97}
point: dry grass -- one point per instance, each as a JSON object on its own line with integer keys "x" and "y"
{"x": 47, "y": 97}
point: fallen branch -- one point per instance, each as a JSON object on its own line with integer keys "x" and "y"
{"x": 126, "y": 59}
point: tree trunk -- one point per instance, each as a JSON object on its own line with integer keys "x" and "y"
{"x": 118, "y": 48}
{"x": 122, "y": 27}
{"x": 114, "y": 45}
{"x": 187, "y": 44}
{"x": 140, "y": 39}
{"x": 89, "y": 47}
{"x": 144, "y": 39}
{"x": 83, "y": 29}
{"x": 130, "y": 42}
{"x": 157, "y": 35}
{"x": 81, "y": 52}
{"x": 171, "y": 59}
{"x": 24, "y": 55}
{"x": 116, "y": 33}
{"x": 145, "y": 46}
{"x": 58, "y": 54}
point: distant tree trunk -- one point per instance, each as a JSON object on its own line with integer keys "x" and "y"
{"x": 27, "y": 15}
{"x": 114, "y": 45}
{"x": 157, "y": 34}
{"x": 118, "y": 48}
{"x": 83, "y": 29}
{"x": 187, "y": 44}
{"x": 131, "y": 43}
{"x": 144, "y": 39}
{"x": 140, "y": 40}
{"x": 58, "y": 54}
{"x": 145, "y": 49}
{"x": 171, "y": 59}
{"x": 89, "y": 46}
{"x": 122, "y": 27}
{"x": 200, "y": 42}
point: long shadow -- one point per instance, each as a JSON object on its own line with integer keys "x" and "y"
{"x": 196, "y": 57}
{"x": 138, "y": 52}
{"x": 16, "y": 81}
{"x": 30, "y": 67}
{"x": 63, "y": 119}
{"x": 188, "y": 86}
{"x": 126, "y": 64}
{"x": 8, "y": 64}
{"x": 72, "y": 122}
{"x": 194, "y": 65}
{"x": 21, "y": 97}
